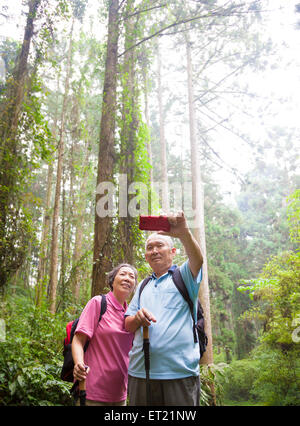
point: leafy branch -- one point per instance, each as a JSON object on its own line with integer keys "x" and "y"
{"x": 218, "y": 12}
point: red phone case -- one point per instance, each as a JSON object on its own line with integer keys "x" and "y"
{"x": 154, "y": 223}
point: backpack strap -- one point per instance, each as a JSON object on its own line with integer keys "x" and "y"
{"x": 102, "y": 312}
{"x": 103, "y": 306}
{"x": 144, "y": 283}
{"x": 181, "y": 287}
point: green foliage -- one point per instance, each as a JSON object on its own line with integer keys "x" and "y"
{"x": 226, "y": 266}
{"x": 31, "y": 355}
{"x": 9, "y": 50}
{"x": 294, "y": 216}
{"x": 35, "y": 137}
{"x": 277, "y": 381}
{"x": 212, "y": 377}
{"x": 21, "y": 155}
{"x": 79, "y": 7}
{"x": 252, "y": 287}
{"x": 277, "y": 296}
{"x": 237, "y": 382}
{"x": 262, "y": 203}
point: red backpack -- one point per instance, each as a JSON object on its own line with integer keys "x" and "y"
{"x": 68, "y": 365}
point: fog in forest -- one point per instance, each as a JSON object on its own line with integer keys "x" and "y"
{"x": 112, "y": 109}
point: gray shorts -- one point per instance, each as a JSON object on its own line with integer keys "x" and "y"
{"x": 184, "y": 392}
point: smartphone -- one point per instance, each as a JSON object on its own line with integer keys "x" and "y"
{"x": 154, "y": 223}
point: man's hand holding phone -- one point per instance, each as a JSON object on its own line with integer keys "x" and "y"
{"x": 154, "y": 223}
{"x": 173, "y": 225}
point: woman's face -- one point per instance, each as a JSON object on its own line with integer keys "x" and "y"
{"x": 124, "y": 283}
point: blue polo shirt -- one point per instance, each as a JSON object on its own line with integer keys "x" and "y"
{"x": 173, "y": 353}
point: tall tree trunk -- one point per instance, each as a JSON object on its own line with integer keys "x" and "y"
{"x": 129, "y": 125}
{"x": 63, "y": 239}
{"x": 102, "y": 233}
{"x": 198, "y": 206}
{"x": 40, "y": 286}
{"x": 149, "y": 150}
{"x": 54, "y": 242}
{"x": 44, "y": 246}
{"x": 79, "y": 207}
{"x": 76, "y": 200}
{"x": 163, "y": 146}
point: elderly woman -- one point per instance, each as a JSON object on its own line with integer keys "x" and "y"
{"x": 104, "y": 365}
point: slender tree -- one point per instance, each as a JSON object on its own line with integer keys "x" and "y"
{"x": 147, "y": 115}
{"x": 60, "y": 155}
{"x": 79, "y": 228}
{"x": 78, "y": 8}
{"x": 40, "y": 287}
{"x": 162, "y": 139}
{"x": 45, "y": 238}
{"x": 198, "y": 201}
{"x": 128, "y": 134}
{"x": 198, "y": 207}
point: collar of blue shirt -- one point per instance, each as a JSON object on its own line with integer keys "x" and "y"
{"x": 170, "y": 270}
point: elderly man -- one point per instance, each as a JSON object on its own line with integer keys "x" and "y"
{"x": 174, "y": 372}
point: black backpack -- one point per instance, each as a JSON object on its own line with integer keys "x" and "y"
{"x": 68, "y": 365}
{"x": 198, "y": 327}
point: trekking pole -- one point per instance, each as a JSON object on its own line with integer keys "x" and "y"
{"x": 146, "y": 345}
{"x": 82, "y": 393}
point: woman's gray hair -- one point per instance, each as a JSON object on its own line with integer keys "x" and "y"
{"x": 112, "y": 274}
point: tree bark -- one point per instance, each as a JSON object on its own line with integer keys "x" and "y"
{"x": 198, "y": 206}
{"x": 149, "y": 149}
{"x": 129, "y": 126}
{"x": 44, "y": 240}
{"x": 79, "y": 207}
{"x": 163, "y": 146}
{"x": 102, "y": 231}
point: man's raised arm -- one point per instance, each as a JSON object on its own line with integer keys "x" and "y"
{"x": 179, "y": 229}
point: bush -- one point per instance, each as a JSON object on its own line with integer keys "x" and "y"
{"x": 279, "y": 383}
{"x": 31, "y": 356}
{"x": 211, "y": 383}
{"x": 239, "y": 379}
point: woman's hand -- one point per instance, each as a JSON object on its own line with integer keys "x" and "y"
{"x": 80, "y": 371}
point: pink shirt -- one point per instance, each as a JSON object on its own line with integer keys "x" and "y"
{"x": 107, "y": 354}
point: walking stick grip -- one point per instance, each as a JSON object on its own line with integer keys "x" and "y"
{"x": 146, "y": 332}
{"x": 82, "y": 385}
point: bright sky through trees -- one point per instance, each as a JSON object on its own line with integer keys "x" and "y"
{"x": 273, "y": 99}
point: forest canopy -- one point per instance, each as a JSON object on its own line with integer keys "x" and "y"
{"x": 110, "y": 109}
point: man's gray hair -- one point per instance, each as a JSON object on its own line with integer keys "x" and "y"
{"x": 164, "y": 237}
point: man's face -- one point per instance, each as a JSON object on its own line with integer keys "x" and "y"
{"x": 159, "y": 254}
